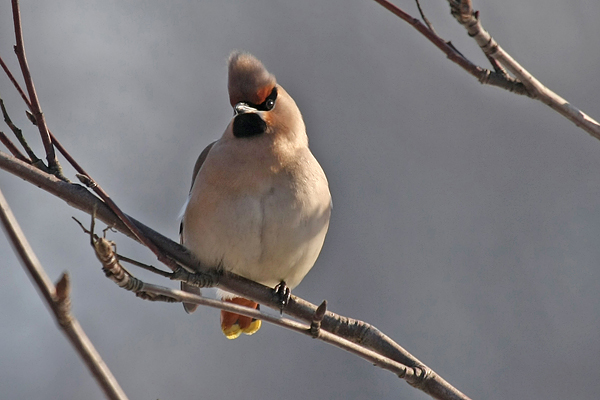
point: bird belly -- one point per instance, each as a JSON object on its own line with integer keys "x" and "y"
{"x": 268, "y": 237}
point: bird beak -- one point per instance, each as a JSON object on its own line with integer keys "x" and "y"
{"x": 243, "y": 108}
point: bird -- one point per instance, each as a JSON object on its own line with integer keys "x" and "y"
{"x": 259, "y": 204}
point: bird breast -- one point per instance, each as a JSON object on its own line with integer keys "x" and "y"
{"x": 263, "y": 217}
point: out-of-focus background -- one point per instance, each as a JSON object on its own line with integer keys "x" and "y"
{"x": 465, "y": 223}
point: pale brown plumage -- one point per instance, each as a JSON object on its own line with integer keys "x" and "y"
{"x": 259, "y": 203}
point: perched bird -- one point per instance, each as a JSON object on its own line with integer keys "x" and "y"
{"x": 259, "y": 203}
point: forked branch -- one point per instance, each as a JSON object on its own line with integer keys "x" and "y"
{"x": 33, "y": 98}
{"x": 462, "y": 10}
{"x": 522, "y": 83}
{"x": 355, "y": 331}
{"x": 110, "y": 260}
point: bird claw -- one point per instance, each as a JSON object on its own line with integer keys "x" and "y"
{"x": 282, "y": 294}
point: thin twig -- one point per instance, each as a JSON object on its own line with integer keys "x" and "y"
{"x": 147, "y": 267}
{"x": 350, "y": 329}
{"x": 58, "y": 300}
{"x": 462, "y": 10}
{"x": 315, "y": 325}
{"x": 124, "y": 279}
{"x": 404, "y": 372}
{"x": 33, "y": 98}
{"x": 14, "y": 82}
{"x": 19, "y": 135}
{"x": 12, "y": 148}
{"x": 429, "y": 25}
{"x": 85, "y": 178}
{"x": 107, "y": 255}
{"x": 483, "y": 75}
{"x": 497, "y": 66}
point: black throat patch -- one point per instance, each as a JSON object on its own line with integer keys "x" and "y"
{"x": 247, "y": 125}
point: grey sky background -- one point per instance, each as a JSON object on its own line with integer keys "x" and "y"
{"x": 465, "y": 222}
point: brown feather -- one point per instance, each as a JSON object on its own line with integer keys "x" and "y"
{"x": 190, "y": 307}
{"x": 249, "y": 80}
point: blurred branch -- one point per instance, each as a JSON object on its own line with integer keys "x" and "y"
{"x": 58, "y": 300}
{"x": 355, "y": 331}
{"x": 523, "y": 82}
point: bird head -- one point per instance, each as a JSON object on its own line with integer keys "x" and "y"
{"x": 259, "y": 104}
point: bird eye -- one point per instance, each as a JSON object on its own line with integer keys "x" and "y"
{"x": 269, "y": 104}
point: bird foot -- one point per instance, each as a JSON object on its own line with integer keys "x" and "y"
{"x": 282, "y": 294}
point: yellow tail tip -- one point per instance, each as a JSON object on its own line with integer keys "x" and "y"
{"x": 253, "y": 327}
{"x": 233, "y": 325}
{"x": 234, "y": 331}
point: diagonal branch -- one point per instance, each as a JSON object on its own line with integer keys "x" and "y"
{"x": 12, "y": 148}
{"x": 19, "y": 135}
{"x": 484, "y": 76}
{"x": 403, "y": 372}
{"x": 58, "y": 301}
{"x": 353, "y": 330}
{"x": 88, "y": 181}
{"x": 106, "y": 254}
{"x": 33, "y": 98}
{"x": 524, "y": 83}
{"x": 14, "y": 82}
{"x": 462, "y": 10}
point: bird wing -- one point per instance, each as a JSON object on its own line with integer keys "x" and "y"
{"x": 189, "y": 307}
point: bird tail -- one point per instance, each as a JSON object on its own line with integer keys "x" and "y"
{"x": 190, "y": 307}
{"x": 233, "y": 325}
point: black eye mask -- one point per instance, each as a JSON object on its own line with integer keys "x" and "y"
{"x": 251, "y": 124}
{"x": 247, "y": 125}
{"x": 269, "y": 102}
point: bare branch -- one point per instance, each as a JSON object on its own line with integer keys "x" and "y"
{"x": 14, "y": 82}
{"x": 483, "y": 75}
{"x": 427, "y": 22}
{"x": 12, "y": 148}
{"x": 58, "y": 301}
{"x": 86, "y": 179}
{"x": 19, "y": 135}
{"x": 353, "y": 330}
{"x": 464, "y": 14}
{"x": 404, "y": 372}
{"x": 524, "y": 83}
{"x": 124, "y": 279}
{"x": 35, "y": 103}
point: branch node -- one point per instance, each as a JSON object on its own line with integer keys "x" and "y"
{"x": 106, "y": 253}
{"x": 62, "y": 300}
{"x": 315, "y": 326}
{"x": 199, "y": 279}
{"x": 419, "y": 377}
{"x": 87, "y": 180}
{"x": 34, "y": 102}
{"x": 484, "y": 77}
{"x": 427, "y": 22}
